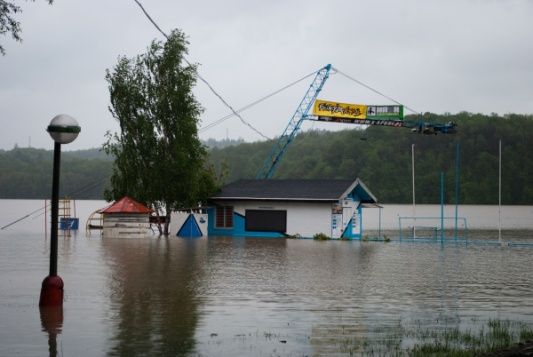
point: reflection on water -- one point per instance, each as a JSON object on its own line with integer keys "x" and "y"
{"x": 226, "y": 297}
{"x": 153, "y": 290}
{"x": 52, "y": 322}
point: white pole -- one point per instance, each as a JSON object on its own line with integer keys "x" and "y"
{"x": 413, "y": 179}
{"x": 500, "y": 194}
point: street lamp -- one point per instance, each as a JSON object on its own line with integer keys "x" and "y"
{"x": 63, "y": 129}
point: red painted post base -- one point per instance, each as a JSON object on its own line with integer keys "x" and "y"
{"x": 51, "y": 291}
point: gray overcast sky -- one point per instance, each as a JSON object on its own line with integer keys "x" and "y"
{"x": 438, "y": 56}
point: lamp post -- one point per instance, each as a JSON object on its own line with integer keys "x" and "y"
{"x": 63, "y": 129}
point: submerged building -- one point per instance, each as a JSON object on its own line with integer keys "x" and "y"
{"x": 280, "y": 208}
{"x": 126, "y": 218}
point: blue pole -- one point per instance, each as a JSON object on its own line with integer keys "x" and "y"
{"x": 442, "y": 207}
{"x": 500, "y": 193}
{"x": 457, "y": 176}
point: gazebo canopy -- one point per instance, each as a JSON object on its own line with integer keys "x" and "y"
{"x": 126, "y": 205}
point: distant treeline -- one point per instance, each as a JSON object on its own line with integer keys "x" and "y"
{"x": 380, "y": 156}
{"x": 27, "y": 173}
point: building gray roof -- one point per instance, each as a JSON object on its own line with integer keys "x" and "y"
{"x": 294, "y": 190}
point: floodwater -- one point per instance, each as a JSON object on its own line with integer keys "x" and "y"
{"x": 219, "y": 296}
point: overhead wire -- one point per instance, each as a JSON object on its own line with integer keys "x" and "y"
{"x": 235, "y": 113}
{"x": 375, "y": 91}
{"x": 82, "y": 189}
{"x": 246, "y": 107}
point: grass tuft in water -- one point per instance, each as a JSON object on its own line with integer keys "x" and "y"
{"x": 321, "y": 236}
{"x": 448, "y": 341}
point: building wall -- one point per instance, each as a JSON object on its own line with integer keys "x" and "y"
{"x": 178, "y": 218}
{"x": 117, "y": 225}
{"x": 303, "y": 218}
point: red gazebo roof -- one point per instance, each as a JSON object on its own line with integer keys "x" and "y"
{"x": 126, "y": 205}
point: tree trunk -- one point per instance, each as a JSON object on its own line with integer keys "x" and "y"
{"x": 167, "y": 223}
{"x": 158, "y": 212}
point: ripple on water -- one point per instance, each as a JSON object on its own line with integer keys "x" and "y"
{"x": 221, "y": 296}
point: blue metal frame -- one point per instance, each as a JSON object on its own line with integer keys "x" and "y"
{"x": 271, "y": 163}
{"x": 435, "y": 219}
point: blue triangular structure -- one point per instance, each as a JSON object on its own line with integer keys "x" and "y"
{"x": 190, "y": 228}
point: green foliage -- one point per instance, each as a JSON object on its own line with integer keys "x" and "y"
{"x": 321, "y": 236}
{"x": 381, "y": 157}
{"x": 8, "y": 22}
{"x": 220, "y": 144}
{"x": 495, "y": 337}
{"x": 27, "y": 173}
{"x": 159, "y": 159}
{"x": 90, "y": 154}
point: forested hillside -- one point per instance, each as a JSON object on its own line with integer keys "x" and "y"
{"x": 27, "y": 173}
{"x": 380, "y": 156}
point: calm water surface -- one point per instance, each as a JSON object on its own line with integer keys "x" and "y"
{"x": 246, "y": 297}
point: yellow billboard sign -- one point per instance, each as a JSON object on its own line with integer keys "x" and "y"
{"x": 328, "y": 108}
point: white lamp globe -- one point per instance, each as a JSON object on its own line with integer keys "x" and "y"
{"x": 63, "y": 129}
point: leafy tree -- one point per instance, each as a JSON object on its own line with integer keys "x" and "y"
{"x": 8, "y": 22}
{"x": 159, "y": 159}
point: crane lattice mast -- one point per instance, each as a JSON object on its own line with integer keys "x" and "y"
{"x": 271, "y": 163}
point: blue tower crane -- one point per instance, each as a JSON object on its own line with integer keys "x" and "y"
{"x": 273, "y": 160}
{"x": 302, "y": 113}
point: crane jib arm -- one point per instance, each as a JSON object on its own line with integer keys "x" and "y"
{"x": 269, "y": 166}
